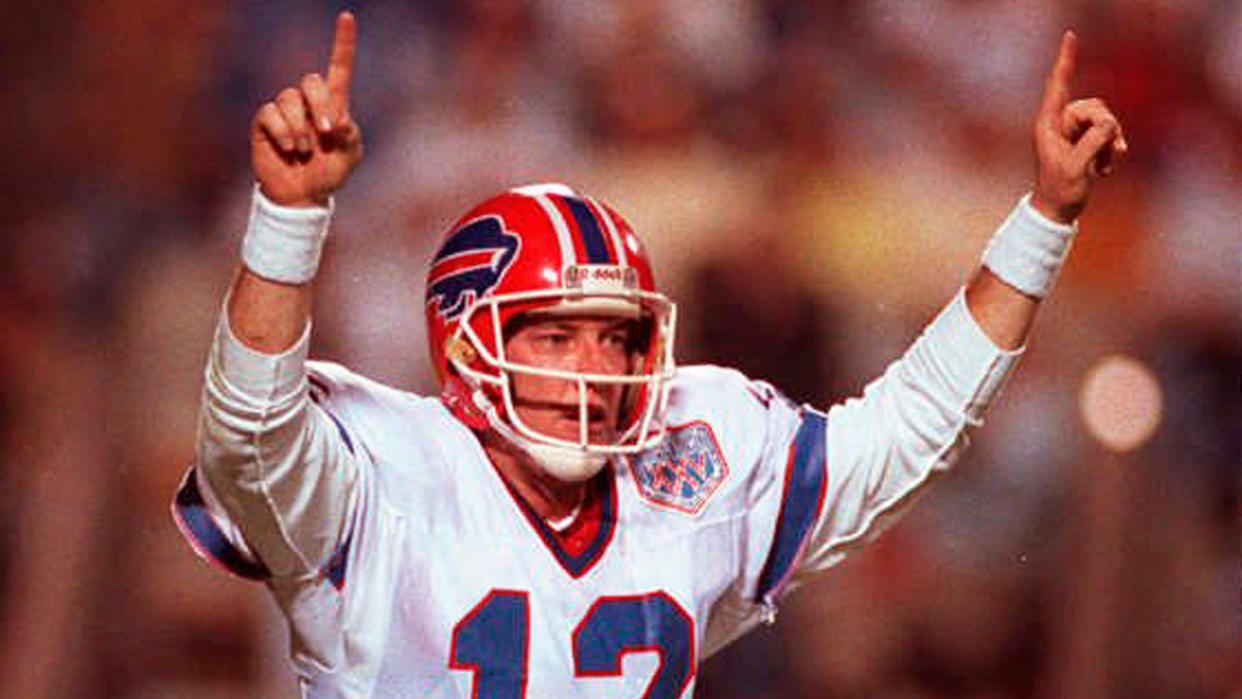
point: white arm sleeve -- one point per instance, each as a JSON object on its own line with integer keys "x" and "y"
{"x": 909, "y": 424}
{"x": 277, "y": 465}
{"x": 828, "y": 483}
{"x": 850, "y": 472}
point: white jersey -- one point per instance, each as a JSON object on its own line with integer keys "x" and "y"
{"x": 407, "y": 567}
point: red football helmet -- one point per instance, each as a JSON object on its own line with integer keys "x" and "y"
{"x": 546, "y": 249}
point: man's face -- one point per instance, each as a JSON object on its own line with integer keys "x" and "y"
{"x": 583, "y": 344}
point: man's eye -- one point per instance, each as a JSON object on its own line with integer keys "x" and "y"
{"x": 617, "y": 339}
{"x": 553, "y": 339}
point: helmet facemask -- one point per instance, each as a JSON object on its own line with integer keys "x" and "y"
{"x": 482, "y": 363}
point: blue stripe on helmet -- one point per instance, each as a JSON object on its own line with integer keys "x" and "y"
{"x": 588, "y": 226}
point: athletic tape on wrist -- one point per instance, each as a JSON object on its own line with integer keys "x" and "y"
{"x": 1028, "y": 250}
{"x": 283, "y": 243}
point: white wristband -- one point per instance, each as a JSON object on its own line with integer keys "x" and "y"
{"x": 1028, "y": 250}
{"x": 283, "y": 243}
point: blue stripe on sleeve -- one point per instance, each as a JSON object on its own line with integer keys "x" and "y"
{"x": 805, "y": 479}
{"x": 335, "y": 572}
{"x": 592, "y": 236}
{"x": 349, "y": 443}
{"x": 317, "y": 394}
{"x": 191, "y": 510}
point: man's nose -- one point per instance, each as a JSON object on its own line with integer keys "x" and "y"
{"x": 594, "y": 358}
{"x": 590, "y": 356}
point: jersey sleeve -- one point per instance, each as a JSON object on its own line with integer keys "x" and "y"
{"x": 277, "y": 474}
{"x": 837, "y": 478}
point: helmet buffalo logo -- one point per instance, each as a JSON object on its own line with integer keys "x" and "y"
{"x": 470, "y": 264}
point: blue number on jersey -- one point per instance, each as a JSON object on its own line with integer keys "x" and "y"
{"x": 492, "y": 641}
{"x": 618, "y": 625}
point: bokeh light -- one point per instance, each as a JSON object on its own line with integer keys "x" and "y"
{"x": 1121, "y": 402}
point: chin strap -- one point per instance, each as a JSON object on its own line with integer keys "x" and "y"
{"x": 564, "y": 464}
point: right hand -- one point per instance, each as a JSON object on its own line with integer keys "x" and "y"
{"x": 304, "y": 143}
{"x": 1076, "y": 142}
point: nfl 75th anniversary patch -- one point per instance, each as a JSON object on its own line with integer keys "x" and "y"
{"x": 683, "y": 471}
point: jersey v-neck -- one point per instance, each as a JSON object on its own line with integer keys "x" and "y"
{"x": 581, "y": 545}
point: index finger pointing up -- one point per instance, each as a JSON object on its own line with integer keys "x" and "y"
{"x": 341, "y": 64}
{"x": 1057, "y": 87}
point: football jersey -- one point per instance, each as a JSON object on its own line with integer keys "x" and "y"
{"x": 407, "y": 567}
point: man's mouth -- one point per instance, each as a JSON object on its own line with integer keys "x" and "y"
{"x": 596, "y": 415}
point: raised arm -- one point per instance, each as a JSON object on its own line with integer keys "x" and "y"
{"x": 913, "y": 421}
{"x": 303, "y": 145}
{"x": 1075, "y": 143}
{"x": 275, "y": 477}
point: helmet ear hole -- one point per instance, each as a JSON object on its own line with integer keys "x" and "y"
{"x": 458, "y": 350}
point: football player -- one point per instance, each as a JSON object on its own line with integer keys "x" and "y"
{"x": 574, "y": 514}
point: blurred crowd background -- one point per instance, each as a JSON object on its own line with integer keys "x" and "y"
{"x": 814, "y": 179}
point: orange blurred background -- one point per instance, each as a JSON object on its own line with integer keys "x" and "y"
{"x": 813, "y": 178}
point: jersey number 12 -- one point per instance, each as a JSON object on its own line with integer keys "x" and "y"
{"x": 493, "y": 640}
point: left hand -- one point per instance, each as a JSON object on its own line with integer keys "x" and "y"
{"x": 1075, "y": 142}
